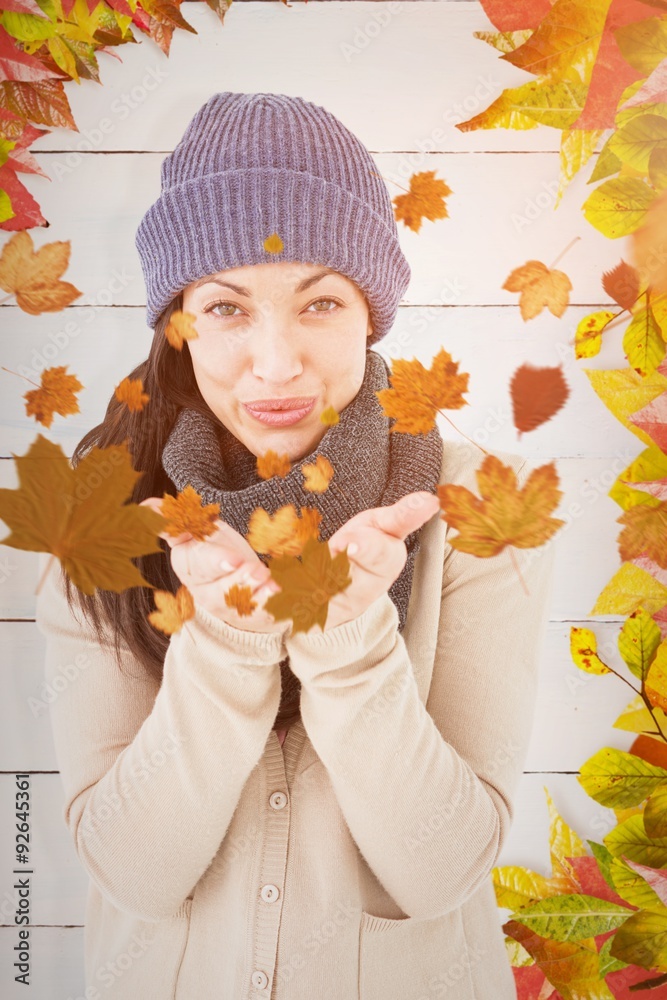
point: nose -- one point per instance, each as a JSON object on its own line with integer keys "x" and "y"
{"x": 275, "y": 354}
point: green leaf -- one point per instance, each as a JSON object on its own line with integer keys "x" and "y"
{"x": 618, "y": 206}
{"x": 607, "y": 961}
{"x": 634, "y": 142}
{"x": 642, "y": 940}
{"x": 571, "y": 917}
{"x": 631, "y": 887}
{"x": 607, "y": 163}
{"x": 604, "y": 858}
{"x": 655, "y": 813}
{"x": 618, "y": 779}
{"x": 631, "y": 840}
{"x": 637, "y": 642}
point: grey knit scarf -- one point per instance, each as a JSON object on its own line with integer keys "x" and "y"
{"x": 372, "y": 468}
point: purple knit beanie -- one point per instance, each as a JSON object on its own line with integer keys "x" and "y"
{"x": 249, "y": 165}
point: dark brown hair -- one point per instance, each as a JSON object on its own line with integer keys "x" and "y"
{"x": 169, "y": 380}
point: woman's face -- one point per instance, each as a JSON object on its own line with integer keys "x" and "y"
{"x": 275, "y": 332}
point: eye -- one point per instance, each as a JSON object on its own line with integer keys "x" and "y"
{"x": 335, "y": 302}
{"x": 220, "y": 302}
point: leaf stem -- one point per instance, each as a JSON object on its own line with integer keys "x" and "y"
{"x": 21, "y": 376}
{"x": 518, "y": 571}
{"x": 43, "y": 576}
{"x": 562, "y": 254}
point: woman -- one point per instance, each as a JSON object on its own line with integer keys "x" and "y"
{"x": 349, "y": 859}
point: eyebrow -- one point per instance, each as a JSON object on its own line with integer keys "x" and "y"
{"x": 240, "y": 290}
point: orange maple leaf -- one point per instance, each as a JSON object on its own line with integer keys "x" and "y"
{"x": 33, "y": 275}
{"x": 272, "y": 464}
{"x": 424, "y": 200}
{"x": 504, "y": 515}
{"x": 131, "y": 392}
{"x": 80, "y": 514}
{"x": 185, "y": 512}
{"x": 539, "y": 287}
{"x": 180, "y": 328}
{"x": 285, "y": 533}
{"x": 173, "y": 610}
{"x": 317, "y": 474}
{"x": 240, "y": 598}
{"x": 55, "y": 395}
{"x": 417, "y": 393}
{"x": 645, "y": 533}
{"x": 307, "y": 586}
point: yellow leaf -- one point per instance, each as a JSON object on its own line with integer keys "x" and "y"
{"x": 173, "y": 610}
{"x": 642, "y": 342}
{"x": 505, "y": 515}
{"x": 634, "y": 142}
{"x": 636, "y": 718}
{"x": 564, "y": 843}
{"x": 185, "y": 512}
{"x": 504, "y": 41}
{"x": 272, "y": 464}
{"x": 650, "y": 464}
{"x": 656, "y": 679}
{"x": 588, "y": 335}
{"x": 577, "y": 145}
{"x": 329, "y": 416}
{"x": 284, "y": 533}
{"x": 618, "y": 206}
{"x": 180, "y": 328}
{"x": 624, "y": 392}
{"x": 539, "y": 286}
{"x": 629, "y": 587}
{"x": 583, "y": 649}
{"x": 273, "y": 244}
{"x": 55, "y": 395}
{"x": 317, "y": 475}
{"x": 515, "y": 887}
{"x": 33, "y": 275}
{"x": 307, "y": 586}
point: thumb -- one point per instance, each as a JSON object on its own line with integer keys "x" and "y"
{"x": 407, "y": 514}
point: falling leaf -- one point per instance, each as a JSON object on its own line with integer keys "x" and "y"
{"x": 240, "y": 598}
{"x": 416, "y": 393}
{"x": 180, "y": 328}
{"x": 329, "y": 416}
{"x": 272, "y": 464}
{"x": 652, "y": 265}
{"x": 33, "y": 275}
{"x": 185, "y": 512}
{"x": 425, "y": 200}
{"x": 131, "y": 392}
{"x": 317, "y": 475}
{"x": 537, "y": 394}
{"x": 539, "y": 287}
{"x": 307, "y": 586}
{"x": 55, "y": 395}
{"x": 588, "y": 335}
{"x": 583, "y": 650}
{"x": 645, "y": 533}
{"x": 173, "y": 610}
{"x": 284, "y": 533}
{"x": 505, "y": 515}
{"x": 81, "y": 515}
{"x": 622, "y": 284}
{"x": 273, "y": 244}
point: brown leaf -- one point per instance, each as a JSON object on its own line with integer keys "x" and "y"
{"x": 173, "y": 610}
{"x": 240, "y": 598}
{"x": 33, "y": 275}
{"x": 131, "y": 392}
{"x": 645, "y": 533}
{"x": 56, "y": 395}
{"x": 307, "y": 586}
{"x": 180, "y": 328}
{"x": 539, "y": 287}
{"x": 537, "y": 394}
{"x": 272, "y": 464}
{"x": 425, "y": 200}
{"x": 285, "y": 533}
{"x": 622, "y": 284}
{"x": 185, "y": 512}
{"x": 417, "y": 393}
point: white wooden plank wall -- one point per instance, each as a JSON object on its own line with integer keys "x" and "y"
{"x": 401, "y": 86}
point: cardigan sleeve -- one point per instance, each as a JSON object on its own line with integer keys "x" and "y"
{"x": 427, "y": 790}
{"x": 152, "y": 773}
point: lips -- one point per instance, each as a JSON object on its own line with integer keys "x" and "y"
{"x": 280, "y": 417}
{"x": 289, "y": 403}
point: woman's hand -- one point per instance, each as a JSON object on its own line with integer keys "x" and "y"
{"x": 197, "y": 564}
{"x": 381, "y": 553}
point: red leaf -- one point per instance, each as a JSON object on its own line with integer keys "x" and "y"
{"x": 513, "y": 15}
{"x": 27, "y": 211}
{"x": 15, "y": 64}
{"x": 537, "y": 394}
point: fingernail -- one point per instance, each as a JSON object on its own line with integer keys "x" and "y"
{"x": 226, "y": 566}
{"x": 352, "y": 548}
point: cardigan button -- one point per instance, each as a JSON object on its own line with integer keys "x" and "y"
{"x": 278, "y": 800}
{"x": 270, "y": 893}
{"x": 259, "y": 979}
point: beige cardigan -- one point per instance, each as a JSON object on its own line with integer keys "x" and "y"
{"x": 354, "y": 862}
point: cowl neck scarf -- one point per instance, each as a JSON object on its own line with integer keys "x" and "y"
{"x": 373, "y": 467}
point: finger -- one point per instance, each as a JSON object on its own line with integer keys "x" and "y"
{"x": 400, "y": 519}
